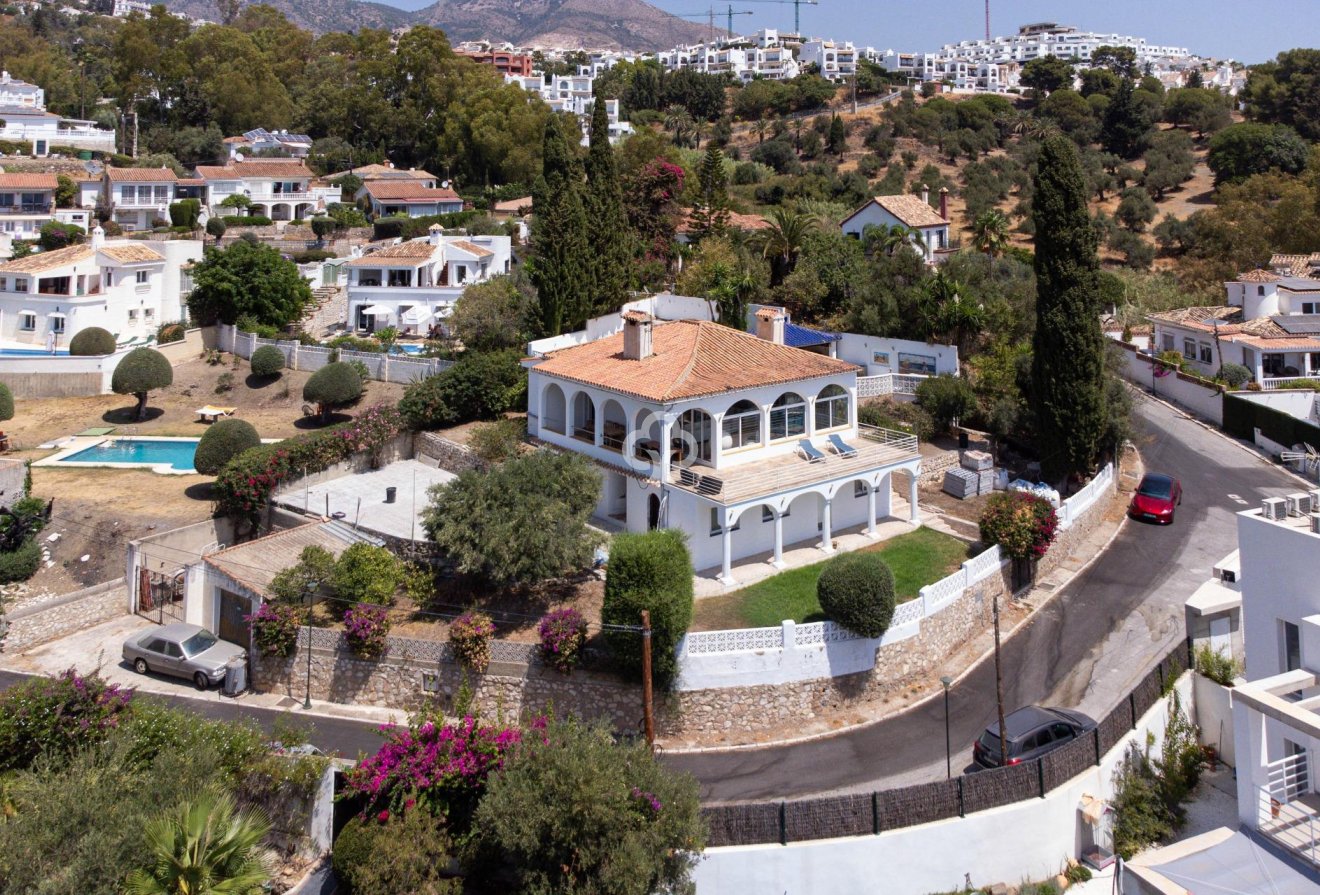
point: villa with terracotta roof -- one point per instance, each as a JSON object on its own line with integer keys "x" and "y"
{"x": 138, "y": 197}
{"x": 27, "y": 201}
{"x": 929, "y": 228}
{"x": 123, "y": 286}
{"x": 413, "y": 284}
{"x": 278, "y": 188}
{"x": 1270, "y": 325}
{"x": 409, "y": 197}
{"x": 745, "y": 444}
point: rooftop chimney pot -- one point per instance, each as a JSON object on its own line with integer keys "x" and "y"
{"x": 637, "y": 335}
{"x": 925, "y": 194}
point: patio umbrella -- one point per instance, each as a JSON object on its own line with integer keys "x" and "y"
{"x": 378, "y": 310}
{"x": 417, "y": 315}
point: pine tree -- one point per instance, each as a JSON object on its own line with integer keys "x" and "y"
{"x": 609, "y": 238}
{"x": 559, "y": 268}
{"x": 838, "y": 136}
{"x": 1067, "y": 371}
{"x": 1124, "y": 124}
{"x": 711, "y": 213}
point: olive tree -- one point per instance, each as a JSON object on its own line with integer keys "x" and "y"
{"x": 334, "y": 385}
{"x": 144, "y": 370}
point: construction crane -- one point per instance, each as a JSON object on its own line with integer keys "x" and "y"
{"x": 710, "y": 14}
{"x": 987, "y": 20}
{"x": 797, "y": 10}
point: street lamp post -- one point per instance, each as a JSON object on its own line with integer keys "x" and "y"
{"x": 948, "y": 747}
{"x": 311, "y": 602}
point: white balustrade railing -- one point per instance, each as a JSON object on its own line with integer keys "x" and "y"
{"x": 398, "y": 368}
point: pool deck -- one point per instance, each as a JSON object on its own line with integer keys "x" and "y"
{"x": 360, "y": 498}
{"x": 67, "y": 447}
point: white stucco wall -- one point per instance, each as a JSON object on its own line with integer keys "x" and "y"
{"x": 863, "y": 351}
{"x": 1029, "y": 840}
{"x": 1280, "y": 566}
{"x": 1294, "y": 402}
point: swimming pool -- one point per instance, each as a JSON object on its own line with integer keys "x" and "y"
{"x": 164, "y": 455}
{"x": 409, "y": 348}
{"x": 33, "y": 352}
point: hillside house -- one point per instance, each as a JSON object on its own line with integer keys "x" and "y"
{"x": 138, "y": 197}
{"x": 262, "y": 140}
{"x": 386, "y": 172}
{"x": 280, "y": 189}
{"x": 24, "y": 119}
{"x": 409, "y": 197}
{"x": 930, "y": 229}
{"x": 413, "y": 284}
{"x": 741, "y": 442}
{"x": 27, "y": 201}
{"x": 123, "y": 286}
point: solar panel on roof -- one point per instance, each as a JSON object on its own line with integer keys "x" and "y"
{"x": 1298, "y": 324}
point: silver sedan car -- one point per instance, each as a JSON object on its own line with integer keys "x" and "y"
{"x": 181, "y": 650}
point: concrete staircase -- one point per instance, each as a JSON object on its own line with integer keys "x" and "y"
{"x": 327, "y": 312}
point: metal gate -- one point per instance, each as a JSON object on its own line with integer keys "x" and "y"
{"x": 160, "y": 595}
{"x": 232, "y": 624}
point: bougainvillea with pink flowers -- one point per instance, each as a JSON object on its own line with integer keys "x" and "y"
{"x": 1021, "y": 523}
{"x": 275, "y": 628}
{"x": 563, "y": 635}
{"x": 57, "y": 715}
{"x": 366, "y": 627}
{"x": 470, "y": 636}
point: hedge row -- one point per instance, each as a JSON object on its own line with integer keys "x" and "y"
{"x": 1243, "y": 417}
{"x": 408, "y": 228}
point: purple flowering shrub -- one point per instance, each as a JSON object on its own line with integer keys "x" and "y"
{"x": 470, "y": 635}
{"x": 366, "y": 626}
{"x": 442, "y": 768}
{"x": 563, "y": 635}
{"x": 275, "y": 628}
{"x": 57, "y": 715}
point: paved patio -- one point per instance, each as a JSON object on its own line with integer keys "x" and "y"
{"x": 361, "y": 498}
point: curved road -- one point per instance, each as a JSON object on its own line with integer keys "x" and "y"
{"x": 1086, "y": 648}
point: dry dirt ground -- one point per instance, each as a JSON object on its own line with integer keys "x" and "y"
{"x": 98, "y": 511}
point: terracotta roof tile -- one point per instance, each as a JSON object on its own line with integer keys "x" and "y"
{"x": 47, "y": 260}
{"x": 639, "y": 316}
{"x": 690, "y": 358}
{"x": 132, "y": 253}
{"x": 911, "y": 211}
{"x": 1297, "y": 265}
{"x": 743, "y": 222}
{"x": 369, "y": 173}
{"x": 408, "y": 189}
{"x": 472, "y": 248}
{"x": 29, "y": 181}
{"x": 1229, "y": 316}
{"x": 117, "y": 175}
{"x": 255, "y": 564}
{"x": 267, "y": 167}
{"x": 413, "y": 249}
{"x": 513, "y": 206}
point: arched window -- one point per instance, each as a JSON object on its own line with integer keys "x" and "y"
{"x": 831, "y": 408}
{"x": 741, "y": 426}
{"x": 788, "y": 416}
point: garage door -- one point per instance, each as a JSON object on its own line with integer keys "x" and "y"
{"x": 231, "y": 625}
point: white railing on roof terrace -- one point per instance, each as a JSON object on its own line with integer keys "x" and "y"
{"x": 888, "y": 384}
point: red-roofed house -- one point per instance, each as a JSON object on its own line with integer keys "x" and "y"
{"x": 138, "y": 197}
{"x": 278, "y": 188}
{"x": 27, "y": 201}
{"x": 741, "y": 442}
{"x": 929, "y": 229}
{"x": 409, "y": 197}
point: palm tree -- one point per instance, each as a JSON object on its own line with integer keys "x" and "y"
{"x": 990, "y": 232}
{"x": 679, "y": 120}
{"x": 206, "y": 847}
{"x": 782, "y": 240}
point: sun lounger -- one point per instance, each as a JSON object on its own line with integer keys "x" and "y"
{"x": 842, "y": 448}
{"x": 812, "y": 455}
{"x": 210, "y": 414}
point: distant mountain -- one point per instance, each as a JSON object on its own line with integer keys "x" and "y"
{"x": 594, "y": 24}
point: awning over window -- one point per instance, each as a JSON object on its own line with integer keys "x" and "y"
{"x": 378, "y": 310}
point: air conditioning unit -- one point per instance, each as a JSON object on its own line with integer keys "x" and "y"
{"x": 1315, "y": 501}
{"x": 1274, "y": 508}
{"x": 1299, "y": 503}
{"x": 1315, "y": 523}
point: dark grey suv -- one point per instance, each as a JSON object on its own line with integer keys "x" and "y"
{"x": 1032, "y": 731}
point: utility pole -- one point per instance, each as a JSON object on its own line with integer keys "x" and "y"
{"x": 648, "y": 714}
{"x": 999, "y": 690}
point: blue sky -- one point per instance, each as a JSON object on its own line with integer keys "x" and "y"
{"x": 1252, "y": 31}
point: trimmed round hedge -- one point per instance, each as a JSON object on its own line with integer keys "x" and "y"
{"x": 857, "y": 591}
{"x": 6, "y": 403}
{"x": 224, "y": 441}
{"x": 267, "y": 361}
{"x": 334, "y": 385}
{"x": 92, "y": 341}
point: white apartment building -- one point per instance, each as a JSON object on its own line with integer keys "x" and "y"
{"x": 16, "y": 94}
{"x": 835, "y": 61}
{"x": 27, "y": 201}
{"x": 763, "y": 55}
{"x": 25, "y": 120}
{"x": 278, "y": 188}
{"x": 573, "y": 93}
{"x": 126, "y": 287}
{"x": 137, "y": 197}
{"x": 411, "y": 285}
{"x": 741, "y": 442}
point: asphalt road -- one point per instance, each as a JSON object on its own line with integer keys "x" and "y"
{"x": 1086, "y": 648}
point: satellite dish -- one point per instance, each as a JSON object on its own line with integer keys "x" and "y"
{"x": 238, "y": 156}
{"x": 444, "y": 184}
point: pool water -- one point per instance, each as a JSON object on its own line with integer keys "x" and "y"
{"x": 409, "y": 348}
{"x": 34, "y": 352}
{"x": 175, "y": 454}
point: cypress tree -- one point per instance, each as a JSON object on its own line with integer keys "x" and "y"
{"x": 711, "y": 213}
{"x": 1124, "y": 124}
{"x": 558, "y": 268}
{"x": 1067, "y": 368}
{"x": 608, "y": 237}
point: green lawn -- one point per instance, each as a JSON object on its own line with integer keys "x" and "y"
{"x": 918, "y": 558}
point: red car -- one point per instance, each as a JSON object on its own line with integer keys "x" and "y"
{"x": 1155, "y": 498}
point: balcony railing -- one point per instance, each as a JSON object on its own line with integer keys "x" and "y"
{"x": 47, "y": 208}
{"x": 1286, "y": 810}
{"x": 1273, "y": 383}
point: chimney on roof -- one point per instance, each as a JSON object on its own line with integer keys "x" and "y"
{"x": 770, "y": 325}
{"x": 433, "y": 234}
{"x": 636, "y": 335}
{"x": 944, "y": 202}
{"x": 925, "y": 194}
{"x": 98, "y": 237}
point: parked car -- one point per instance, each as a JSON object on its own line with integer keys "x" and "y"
{"x": 1032, "y": 731}
{"x": 1156, "y": 498}
{"x": 181, "y": 650}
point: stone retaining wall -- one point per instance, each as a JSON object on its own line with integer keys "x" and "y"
{"x": 72, "y": 612}
{"x": 897, "y": 667}
{"x": 1070, "y": 538}
{"x": 507, "y": 689}
{"x": 933, "y": 468}
{"x": 449, "y": 455}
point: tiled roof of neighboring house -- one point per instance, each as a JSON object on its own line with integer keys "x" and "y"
{"x": 234, "y": 141}
{"x": 267, "y": 167}
{"x": 908, "y": 209}
{"x": 1259, "y": 275}
{"x": 1297, "y": 265}
{"x": 636, "y": 316}
{"x": 132, "y": 253}
{"x": 690, "y": 358}
{"x": 1229, "y": 316}
{"x": 117, "y": 175}
{"x": 408, "y": 190}
{"x": 744, "y": 222}
{"x": 413, "y": 249}
{"x": 513, "y": 206}
{"x": 29, "y": 181}
{"x": 796, "y": 336}
{"x": 384, "y": 172}
{"x": 472, "y": 248}
{"x": 47, "y": 260}
{"x": 255, "y": 564}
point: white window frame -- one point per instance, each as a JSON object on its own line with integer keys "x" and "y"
{"x": 27, "y": 322}
{"x": 143, "y": 277}
{"x": 1207, "y": 354}
{"x": 736, "y": 425}
{"x": 1189, "y": 348}
{"x": 57, "y": 325}
{"x": 132, "y": 315}
{"x": 785, "y": 412}
{"x": 20, "y": 284}
{"x": 831, "y": 405}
